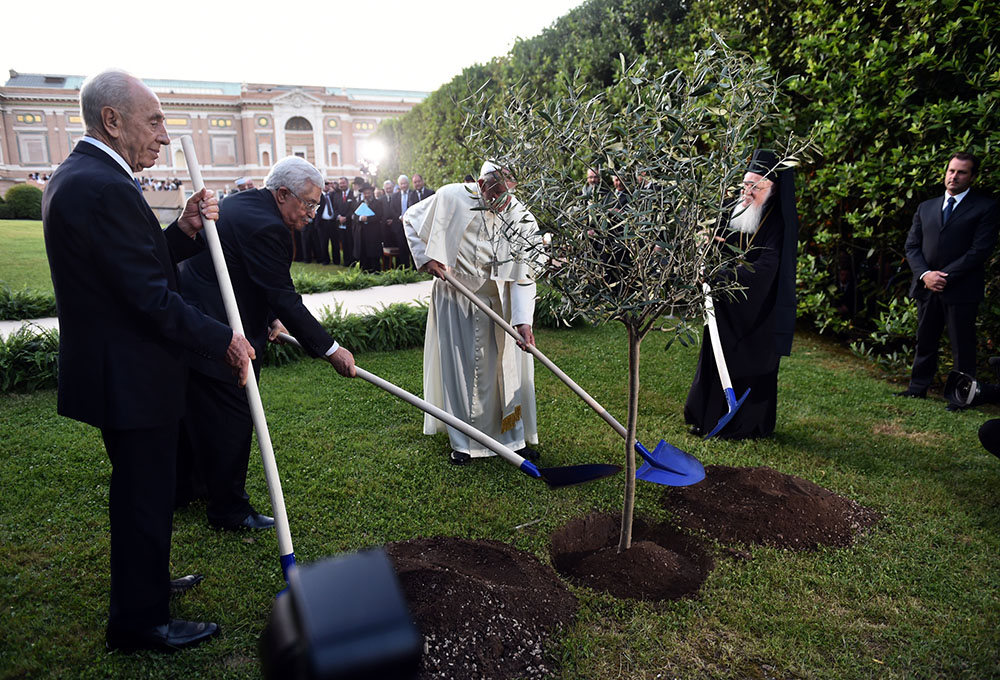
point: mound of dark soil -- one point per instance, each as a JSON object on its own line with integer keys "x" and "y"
{"x": 485, "y": 609}
{"x": 662, "y": 564}
{"x": 763, "y": 506}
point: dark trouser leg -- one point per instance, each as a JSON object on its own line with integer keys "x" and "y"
{"x": 321, "y": 243}
{"x": 962, "y": 335}
{"x": 333, "y": 236}
{"x": 220, "y": 428}
{"x": 141, "y": 507}
{"x": 930, "y": 323}
{"x": 347, "y": 241}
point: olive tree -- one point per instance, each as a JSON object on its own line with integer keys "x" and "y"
{"x": 676, "y": 145}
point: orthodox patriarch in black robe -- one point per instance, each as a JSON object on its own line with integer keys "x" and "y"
{"x": 755, "y": 331}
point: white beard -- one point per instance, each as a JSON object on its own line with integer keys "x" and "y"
{"x": 746, "y": 219}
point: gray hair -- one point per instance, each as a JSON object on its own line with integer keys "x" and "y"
{"x": 295, "y": 173}
{"x": 400, "y": 179}
{"x": 113, "y": 88}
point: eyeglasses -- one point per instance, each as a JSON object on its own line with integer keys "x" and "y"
{"x": 310, "y": 206}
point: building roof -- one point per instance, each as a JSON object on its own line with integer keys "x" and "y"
{"x": 160, "y": 86}
{"x": 46, "y": 80}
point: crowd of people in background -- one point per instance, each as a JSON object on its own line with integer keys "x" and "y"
{"x": 357, "y": 222}
{"x": 172, "y": 184}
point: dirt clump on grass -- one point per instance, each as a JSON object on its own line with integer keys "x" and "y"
{"x": 766, "y": 507}
{"x": 485, "y": 609}
{"x": 661, "y": 564}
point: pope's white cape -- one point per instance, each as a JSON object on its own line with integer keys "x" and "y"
{"x": 446, "y": 227}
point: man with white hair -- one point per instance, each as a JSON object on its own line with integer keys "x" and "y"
{"x": 124, "y": 329}
{"x": 399, "y": 203}
{"x": 255, "y": 228}
{"x": 472, "y": 369}
{"x": 755, "y": 331}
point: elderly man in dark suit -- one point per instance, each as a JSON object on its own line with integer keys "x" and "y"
{"x": 255, "y": 229}
{"x": 124, "y": 330}
{"x": 947, "y": 248}
{"x": 399, "y": 203}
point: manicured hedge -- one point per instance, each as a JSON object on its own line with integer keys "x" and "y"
{"x": 22, "y": 202}
{"x": 889, "y": 90}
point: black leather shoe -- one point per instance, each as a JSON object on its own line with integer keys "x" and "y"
{"x": 172, "y": 636}
{"x": 953, "y": 407}
{"x": 179, "y": 586}
{"x": 459, "y": 458}
{"x": 255, "y": 520}
{"x": 911, "y": 394}
{"x": 529, "y": 453}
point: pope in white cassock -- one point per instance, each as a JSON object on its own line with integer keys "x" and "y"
{"x": 472, "y": 368}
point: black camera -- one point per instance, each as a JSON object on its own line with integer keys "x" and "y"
{"x": 962, "y": 390}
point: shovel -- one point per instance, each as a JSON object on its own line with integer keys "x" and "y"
{"x": 720, "y": 363}
{"x": 286, "y": 552}
{"x": 555, "y": 477}
{"x": 666, "y": 464}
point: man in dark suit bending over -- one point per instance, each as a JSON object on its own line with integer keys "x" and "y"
{"x": 124, "y": 330}
{"x": 947, "y": 248}
{"x": 256, "y": 229}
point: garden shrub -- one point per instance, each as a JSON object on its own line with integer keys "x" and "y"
{"x": 23, "y": 202}
{"x": 28, "y": 359}
{"x": 25, "y": 303}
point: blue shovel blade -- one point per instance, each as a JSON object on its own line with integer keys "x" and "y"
{"x": 733, "y": 405}
{"x": 671, "y": 459}
{"x": 648, "y": 473}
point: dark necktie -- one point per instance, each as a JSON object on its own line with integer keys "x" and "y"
{"x": 138, "y": 185}
{"x": 947, "y": 210}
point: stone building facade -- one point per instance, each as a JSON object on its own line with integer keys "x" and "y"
{"x": 239, "y": 129}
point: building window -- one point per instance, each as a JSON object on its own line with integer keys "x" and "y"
{"x": 334, "y": 158}
{"x": 262, "y": 122}
{"x": 179, "y": 161}
{"x": 177, "y": 122}
{"x": 333, "y": 122}
{"x": 33, "y": 149}
{"x": 29, "y": 118}
{"x": 221, "y": 122}
{"x": 223, "y": 150}
{"x": 364, "y": 125}
{"x": 298, "y": 124}
{"x": 265, "y": 158}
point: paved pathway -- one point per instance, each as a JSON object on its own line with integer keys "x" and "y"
{"x": 352, "y": 301}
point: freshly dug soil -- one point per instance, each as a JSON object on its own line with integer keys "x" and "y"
{"x": 763, "y": 506}
{"x": 484, "y": 608}
{"x": 661, "y": 564}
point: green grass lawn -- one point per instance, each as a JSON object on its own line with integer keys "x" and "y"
{"x": 23, "y": 263}
{"x": 22, "y": 258}
{"x": 918, "y": 597}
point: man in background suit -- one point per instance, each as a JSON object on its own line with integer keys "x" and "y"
{"x": 323, "y": 231}
{"x": 399, "y": 203}
{"x": 124, "y": 330}
{"x": 423, "y": 191}
{"x": 256, "y": 233}
{"x": 344, "y": 202}
{"x": 947, "y": 248}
